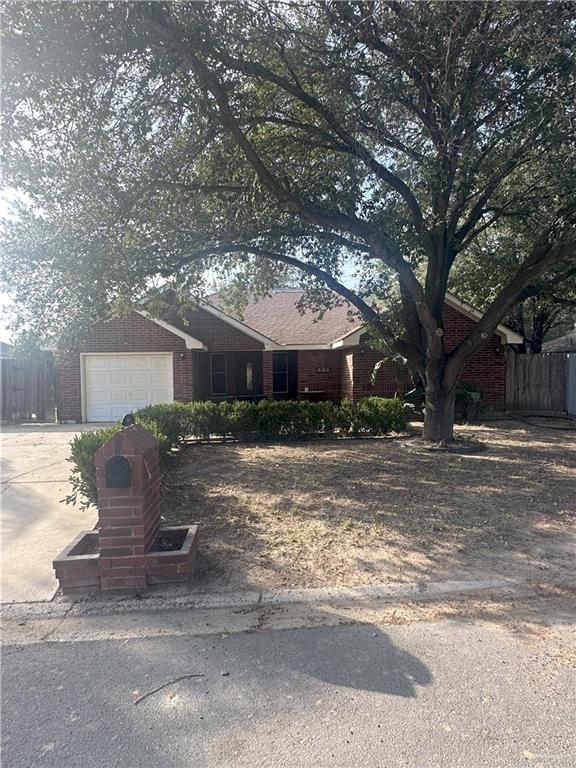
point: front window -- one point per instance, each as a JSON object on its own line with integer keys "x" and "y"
{"x": 218, "y": 371}
{"x": 249, "y": 377}
{"x": 280, "y": 372}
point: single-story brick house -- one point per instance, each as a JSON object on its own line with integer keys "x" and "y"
{"x": 274, "y": 351}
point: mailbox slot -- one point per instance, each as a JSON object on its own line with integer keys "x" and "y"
{"x": 118, "y": 472}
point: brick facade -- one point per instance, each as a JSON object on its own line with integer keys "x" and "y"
{"x": 135, "y": 333}
{"x": 329, "y": 374}
{"x": 487, "y": 369}
{"x": 391, "y": 379}
{"x": 319, "y": 372}
{"x": 217, "y": 334}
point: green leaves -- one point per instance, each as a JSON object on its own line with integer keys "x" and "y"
{"x": 180, "y": 141}
{"x": 173, "y": 423}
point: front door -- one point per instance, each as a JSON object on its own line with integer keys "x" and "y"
{"x": 248, "y": 373}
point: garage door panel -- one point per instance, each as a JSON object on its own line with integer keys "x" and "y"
{"x": 155, "y": 363}
{"x": 160, "y": 395}
{"x": 158, "y": 378}
{"x": 140, "y": 361}
{"x": 115, "y": 384}
{"x": 98, "y": 377}
{"x": 118, "y": 396}
{"x": 138, "y": 377}
{"x": 118, "y": 377}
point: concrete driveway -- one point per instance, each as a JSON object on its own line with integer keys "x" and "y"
{"x": 34, "y": 525}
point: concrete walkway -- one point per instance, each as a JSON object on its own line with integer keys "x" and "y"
{"x": 34, "y": 525}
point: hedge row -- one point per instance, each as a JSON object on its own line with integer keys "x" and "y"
{"x": 173, "y": 423}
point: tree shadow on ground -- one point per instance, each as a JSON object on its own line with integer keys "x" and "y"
{"x": 356, "y": 511}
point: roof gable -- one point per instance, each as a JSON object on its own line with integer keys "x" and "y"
{"x": 507, "y": 335}
{"x": 278, "y": 320}
{"x": 278, "y": 323}
{"x": 190, "y": 341}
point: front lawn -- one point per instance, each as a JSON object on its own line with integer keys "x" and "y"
{"x": 345, "y": 512}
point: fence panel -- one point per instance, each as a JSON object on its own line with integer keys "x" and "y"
{"x": 536, "y": 382}
{"x": 28, "y": 389}
{"x": 571, "y": 384}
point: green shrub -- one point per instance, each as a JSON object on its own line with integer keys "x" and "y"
{"x": 83, "y": 477}
{"x": 169, "y": 420}
{"x": 83, "y": 448}
{"x": 379, "y": 415}
{"x": 205, "y": 419}
{"x": 243, "y": 419}
{"x": 173, "y": 423}
{"x": 470, "y": 402}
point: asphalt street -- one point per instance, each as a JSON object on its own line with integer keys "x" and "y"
{"x": 446, "y": 694}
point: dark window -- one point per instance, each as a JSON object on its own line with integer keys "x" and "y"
{"x": 279, "y": 372}
{"x": 218, "y": 369}
{"x": 249, "y": 377}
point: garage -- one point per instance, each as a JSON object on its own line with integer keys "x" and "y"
{"x": 115, "y": 384}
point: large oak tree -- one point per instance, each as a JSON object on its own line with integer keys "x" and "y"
{"x": 161, "y": 139}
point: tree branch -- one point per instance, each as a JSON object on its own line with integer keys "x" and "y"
{"x": 405, "y": 348}
{"x": 356, "y": 147}
{"x": 544, "y": 255}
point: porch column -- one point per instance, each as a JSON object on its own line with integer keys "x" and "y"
{"x": 267, "y": 377}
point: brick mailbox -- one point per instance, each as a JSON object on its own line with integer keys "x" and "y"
{"x": 130, "y": 550}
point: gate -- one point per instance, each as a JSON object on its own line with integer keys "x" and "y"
{"x": 28, "y": 389}
{"x": 571, "y": 384}
{"x": 537, "y": 382}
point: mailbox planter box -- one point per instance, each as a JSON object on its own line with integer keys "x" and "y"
{"x": 130, "y": 550}
{"x": 77, "y": 566}
{"x": 170, "y": 566}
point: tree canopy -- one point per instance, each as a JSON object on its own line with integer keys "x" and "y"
{"x": 154, "y": 141}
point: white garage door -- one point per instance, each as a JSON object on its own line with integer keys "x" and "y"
{"x": 114, "y": 385}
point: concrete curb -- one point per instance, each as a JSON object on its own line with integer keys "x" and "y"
{"x": 253, "y": 599}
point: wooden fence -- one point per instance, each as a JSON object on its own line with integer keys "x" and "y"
{"x": 536, "y": 382}
{"x": 28, "y": 389}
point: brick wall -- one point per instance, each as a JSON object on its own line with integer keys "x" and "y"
{"x": 267, "y": 375}
{"x": 138, "y": 334}
{"x": 218, "y": 335}
{"x": 320, "y": 370}
{"x": 486, "y": 370}
{"x": 390, "y": 379}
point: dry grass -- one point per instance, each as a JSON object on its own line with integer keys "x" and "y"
{"x": 359, "y": 511}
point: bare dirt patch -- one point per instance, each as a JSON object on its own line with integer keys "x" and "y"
{"x": 345, "y": 512}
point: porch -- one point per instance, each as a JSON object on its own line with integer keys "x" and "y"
{"x": 283, "y": 375}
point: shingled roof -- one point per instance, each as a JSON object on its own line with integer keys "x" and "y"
{"x": 278, "y": 318}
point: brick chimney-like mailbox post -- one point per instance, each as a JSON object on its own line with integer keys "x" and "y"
{"x": 133, "y": 550}
{"x": 128, "y": 507}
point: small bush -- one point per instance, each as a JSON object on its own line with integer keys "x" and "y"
{"x": 243, "y": 419}
{"x": 83, "y": 448}
{"x": 205, "y": 419}
{"x": 169, "y": 420}
{"x": 173, "y": 423}
{"x": 379, "y": 415}
{"x": 470, "y": 401}
{"x": 83, "y": 477}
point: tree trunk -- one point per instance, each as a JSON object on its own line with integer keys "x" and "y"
{"x": 439, "y": 405}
